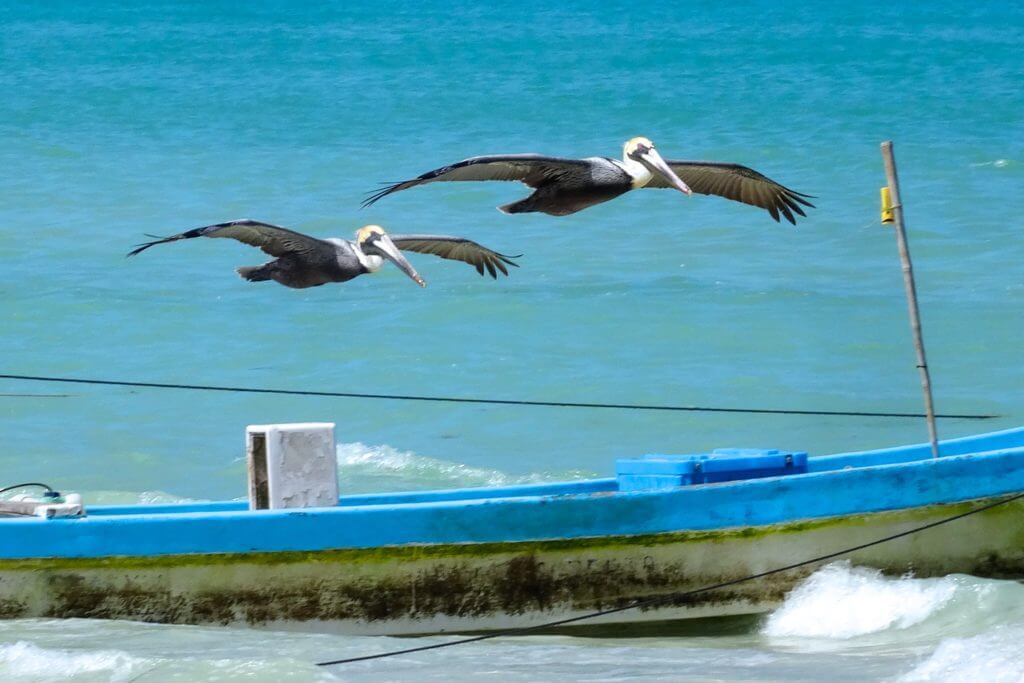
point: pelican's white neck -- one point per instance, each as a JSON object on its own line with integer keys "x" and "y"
{"x": 371, "y": 262}
{"x": 640, "y": 174}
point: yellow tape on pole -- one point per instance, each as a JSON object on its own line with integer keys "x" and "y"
{"x": 887, "y": 216}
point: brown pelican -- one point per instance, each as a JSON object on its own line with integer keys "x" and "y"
{"x": 564, "y": 186}
{"x": 304, "y": 261}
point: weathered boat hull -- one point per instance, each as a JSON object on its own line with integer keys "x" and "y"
{"x": 486, "y": 586}
{"x": 520, "y": 556}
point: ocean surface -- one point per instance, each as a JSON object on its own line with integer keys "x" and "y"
{"x": 118, "y": 120}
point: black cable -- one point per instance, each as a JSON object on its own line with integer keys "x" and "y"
{"x": 487, "y": 401}
{"x": 25, "y": 485}
{"x": 646, "y": 602}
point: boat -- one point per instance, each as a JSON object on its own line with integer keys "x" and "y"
{"x": 484, "y": 559}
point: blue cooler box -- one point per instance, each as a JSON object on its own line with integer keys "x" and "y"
{"x": 722, "y": 464}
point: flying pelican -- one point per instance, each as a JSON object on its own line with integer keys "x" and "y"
{"x": 303, "y": 261}
{"x": 565, "y": 186}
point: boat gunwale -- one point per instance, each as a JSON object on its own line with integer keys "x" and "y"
{"x": 477, "y": 549}
{"x": 817, "y": 465}
{"x": 341, "y": 509}
{"x": 706, "y": 507}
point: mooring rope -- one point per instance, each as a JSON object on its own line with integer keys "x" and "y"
{"x": 485, "y": 401}
{"x": 648, "y": 602}
{"x": 33, "y": 484}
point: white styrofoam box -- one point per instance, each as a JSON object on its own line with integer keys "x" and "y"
{"x": 292, "y": 465}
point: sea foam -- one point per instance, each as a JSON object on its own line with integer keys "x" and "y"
{"x": 363, "y": 467}
{"x": 841, "y": 601}
{"x": 23, "y": 661}
{"x": 995, "y": 657}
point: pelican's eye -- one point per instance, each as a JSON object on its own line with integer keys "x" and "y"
{"x": 639, "y": 150}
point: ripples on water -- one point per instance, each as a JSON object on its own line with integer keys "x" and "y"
{"x": 117, "y": 122}
{"x": 122, "y": 120}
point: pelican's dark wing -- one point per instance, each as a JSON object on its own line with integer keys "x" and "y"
{"x": 458, "y": 249}
{"x": 738, "y": 183}
{"x": 272, "y": 239}
{"x": 532, "y": 169}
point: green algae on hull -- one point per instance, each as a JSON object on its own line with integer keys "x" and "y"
{"x": 474, "y": 586}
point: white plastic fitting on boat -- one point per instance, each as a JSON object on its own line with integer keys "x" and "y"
{"x": 292, "y": 465}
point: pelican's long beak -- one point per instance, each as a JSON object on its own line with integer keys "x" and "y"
{"x": 654, "y": 159}
{"x": 391, "y": 252}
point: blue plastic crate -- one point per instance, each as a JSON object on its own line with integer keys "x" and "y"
{"x": 722, "y": 464}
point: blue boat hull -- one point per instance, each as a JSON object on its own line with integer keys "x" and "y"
{"x": 478, "y": 559}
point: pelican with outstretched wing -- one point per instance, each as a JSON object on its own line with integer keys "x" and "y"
{"x": 565, "y": 186}
{"x": 303, "y": 261}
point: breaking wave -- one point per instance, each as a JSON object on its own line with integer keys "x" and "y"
{"x": 22, "y": 661}
{"x": 995, "y": 657}
{"x": 134, "y": 498}
{"x": 184, "y": 655}
{"x": 365, "y": 468}
{"x": 841, "y": 602}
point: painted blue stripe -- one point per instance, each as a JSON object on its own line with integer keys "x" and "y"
{"x": 712, "y": 506}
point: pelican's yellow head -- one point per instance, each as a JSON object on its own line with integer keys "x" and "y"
{"x": 367, "y": 231}
{"x": 636, "y": 146}
{"x": 641, "y": 151}
{"x": 377, "y": 246}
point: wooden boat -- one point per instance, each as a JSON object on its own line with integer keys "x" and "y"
{"x": 494, "y": 558}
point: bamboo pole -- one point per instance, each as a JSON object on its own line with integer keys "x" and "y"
{"x": 896, "y": 212}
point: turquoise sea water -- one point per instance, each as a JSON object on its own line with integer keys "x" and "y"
{"x": 116, "y": 121}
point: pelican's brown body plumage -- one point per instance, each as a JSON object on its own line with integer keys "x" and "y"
{"x": 564, "y": 186}
{"x": 303, "y": 261}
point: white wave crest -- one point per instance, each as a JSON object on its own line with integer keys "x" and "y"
{"x": 993, "y": 657}
{"x": 133, "y": 498}
{"x": 363, "y": 467}
{"x": 998, "y": 163}
{"x": 840, "y": 601}
{"x": 23, "y": 661}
